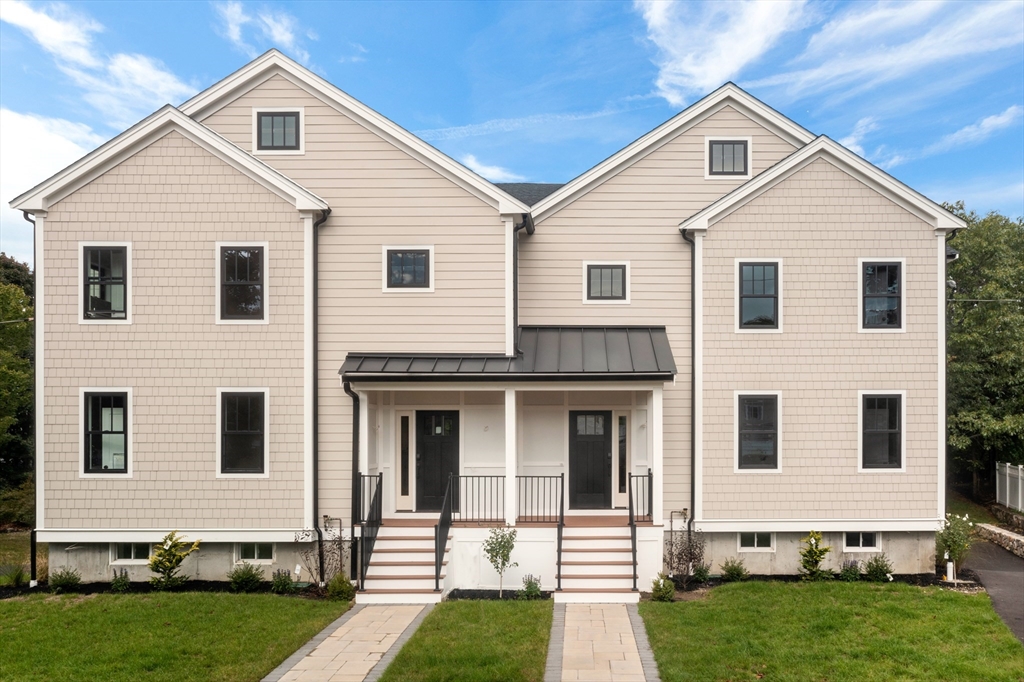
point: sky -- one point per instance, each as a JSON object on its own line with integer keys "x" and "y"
{"x": 932, "y": 92}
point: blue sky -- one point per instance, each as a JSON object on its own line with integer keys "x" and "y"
{"x": 933, "y": 92}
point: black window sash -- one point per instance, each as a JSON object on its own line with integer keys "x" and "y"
{"x": 408, "y": 268}
{"x": 729, "y": 156}
{"x": 243, "y": 446}
{"x": 754, "y": 289}
{"x": 99, "y": 278}
{"x": 278, "y": 130}
{"x": 881, "y": 426}
{"x": 102, "y": 431}
{"x": 881, "y": 296}
{"x": 243, "y": 271}
{"x": 758, "y": 432}
{"x": 602, "y": 275}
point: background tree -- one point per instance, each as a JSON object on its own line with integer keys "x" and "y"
{"x": 985, "y": 346}
{"x": 16, "y": 396}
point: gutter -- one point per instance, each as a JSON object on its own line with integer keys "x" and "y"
{"x": 36, "y": 322}
{"x": 316, "y": 388}
{"x": 693, "y": 381}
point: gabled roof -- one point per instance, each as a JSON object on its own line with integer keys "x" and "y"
{"x": 274, "y": 62}
{"x": 140, "y": 136}
{"x": 529, "y": 192}
{"x": 728, "y": 95}
{"x": 822, "y": 147}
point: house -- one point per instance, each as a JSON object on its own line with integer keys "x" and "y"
{"x": 272, "y": 314}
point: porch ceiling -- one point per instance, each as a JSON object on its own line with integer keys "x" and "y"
{"x": 545, "y": 353}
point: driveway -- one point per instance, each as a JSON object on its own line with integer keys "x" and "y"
{"x": 1002, "y": 574}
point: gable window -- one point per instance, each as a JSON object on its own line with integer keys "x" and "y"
{"x": 758, "y": 303}
{"x": 606, "y": 282}
{"x": 881, "y": 295}
{"x": 861, "y": 542}
{"x": 105, "y": 285}
{"x": 408, "y": 268}
{"x": 135, "y": 552}
{"x": 728, "y": 157}
{"x": 106, "y": 432}
{"x": 882, "y": 431}
{"x": 256, "y": 551}
{"x": 758, "y": 432}
{"x": 278, "y": 130}
{"x": 243, "y": 432}
{"x": 756, "y": 542}
{"x": 242, "y": 283}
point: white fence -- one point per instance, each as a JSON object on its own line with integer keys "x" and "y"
{"x": 1010, "y": 485}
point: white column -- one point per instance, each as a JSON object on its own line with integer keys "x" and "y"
{"x": 698, "y": 374}
{"x": 364, "y": 430}
{"x": 657, "y": 455}
{"x": 41, "y": 433}
{"x": 310, "y": 382}
{"x": 511, "y": 494}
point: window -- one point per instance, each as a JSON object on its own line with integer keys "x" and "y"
{"x": 758, "y": 432}
{"x": 106, "y": 432}
{"x": 756, "y": 542}
{"x": 135, "y": 552}
{"x": 759, "y": 292}
{"x": 242, "y": 283}
{"x": 278, "y": 130}
{"x": 861, "y": 542}
{"x": 605, "y": 282}
{"x": 255, "y": 551}
{"x": 882, "y": 431}
{"x": 881, "y": 295}
{"x": 408, "y": 268}
{"x": 243, "y": 431}
{"x": 728, "y": 157}
{"x": 105, "y": 270}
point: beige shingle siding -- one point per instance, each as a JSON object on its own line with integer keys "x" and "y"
{"x": 820, "y": 221}
{"x": 173, "y": 201}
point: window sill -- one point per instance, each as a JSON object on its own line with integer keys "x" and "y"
{"x": 756, "y": 550}
{"x": 103, "y": 322}
{"x": 130, "y": 562}
{"x": 279, "y": 152}
{"x": 265, "y": 320}
{"x": 872, "y": 330}
{"x": 892, "y": 470}
{"x": 861, "y": 550}
{"x": 263, "y": 475}
{"x": 738, "y": 470}
{"x": 84, "y": 475}
{"x": 254, "y": 562}
{"x": 601, "y": 301}
{"x": 742, "y": 330}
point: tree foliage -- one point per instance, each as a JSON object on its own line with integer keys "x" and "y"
{"x": 16, "y": 372}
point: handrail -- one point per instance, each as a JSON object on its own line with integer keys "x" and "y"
{"x": 444, "y": 524}
{"x": 561, "y": 525}
{"x": 632, "y": 526}
{"x": 540, "y": 498}
{"x": 370, "y": 526}
{"x": 478, "y": 499}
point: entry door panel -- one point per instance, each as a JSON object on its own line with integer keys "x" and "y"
{"x": 437, "y": 456}
{"x": 590, "y": 460}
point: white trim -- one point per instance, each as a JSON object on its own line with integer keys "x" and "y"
{"x": 605, "y": 301}
{"x": 364, "y": 433}
{"x": 824, "y": 525}
{"x": 740, "y": 549}
{"x": 656, "y": 459}
{"x": 218, "y": 434}
{"x": 511, "y": 245}
{"x": 156, "y": 535}
{"x": 405, "y": 503}
{"x": 903, "y": 431}
{"x": 255, "y": 562}
{"x": 278, "y": 152}
{"x": 736, "y": 431}
{"x": 406, "y": 247}
{"x": 698, "y": 376}
{"x": 129, "y": 433}
{"x": 266, "y": 280}
{"x": 511, "y": 449}
{"x": 736, "y": 295}
{"x": 941, "y": 345}
{"x": 554, "y": 385}
{"x": 309, "y": 382}
{"x": 863, "y": 550}
{"x": 726, "y": 137}
{"x": 41, "y": 433}
{"x": 903, "y": 295}
{"x": 128, "y": 290}
{"x": 114, "y": 561}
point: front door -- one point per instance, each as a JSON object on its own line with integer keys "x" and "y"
{"x": 437, "y": 456}
{"x": 590, "y": 460}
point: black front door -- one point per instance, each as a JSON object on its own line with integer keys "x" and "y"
{"x": 590, "y": 460}
{"x": 437, "y": 456}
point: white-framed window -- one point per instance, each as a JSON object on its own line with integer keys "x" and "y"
{"x": 862, "y": 541}
{"x": 407, "y": 269}
{"x": 757, "y": 432}
{"x": 881, "y": 295}
{"x": 136, "y": 553}
{"x": 243, "y": 286}
{"x": 606, "y": 282}
{"x": 881, "y": 431}
{"x": 243, "y": 432}
{"x": 755, "y": 541}
{"x": 758, "y": 297}
{"x": 278, "y": 130}
{"x": 105, "y": 432}
{"x": 254, "y": 552}
{"x": 727, "y": 157}
{"x": 105, "y": 282}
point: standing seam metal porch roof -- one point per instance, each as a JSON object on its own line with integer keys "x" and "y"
{"x": 545, "y": 353}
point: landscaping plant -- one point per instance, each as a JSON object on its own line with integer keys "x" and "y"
{"x": 812, "y": 554}
{"x": 850, "y": 572}
{"x": 733, "y": 571}
{"x": 662, "y": 588}
{"x": 701, "y": 573}
{"x": 335, "y": 550}
{"x": 282, "y": 582}
{"x": 340, "y": 588}
{"x": 14, "y": 575}
{"x": 246, "y": 577}
{"x": 955, "y": 538}
{"x": 65, "y": 579}
{"x": 120, "y": 583}
{"x": 685, "y": 553}
{"x": 878, "y": 569}
{"x": 166, "y": 560}
{"x": 498, "y": 550}
{"x": 531, "y": 588}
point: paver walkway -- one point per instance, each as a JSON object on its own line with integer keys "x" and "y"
{"x": 598, "y": 645}
{"x": 1002, "y": 574}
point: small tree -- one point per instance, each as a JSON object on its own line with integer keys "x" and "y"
{"x": 685, "y": 555}
{"x": 811, "y": 556}
{"x": 955, "y": 539}
{"x": 166, "y": 560}
{"x": 498, "y": 549}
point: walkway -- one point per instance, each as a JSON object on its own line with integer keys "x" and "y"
{"x": 1002, "y": 574}
{"x": 599, "y": 643}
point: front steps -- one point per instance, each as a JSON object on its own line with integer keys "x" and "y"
{"x": 401, "y": 567}
{"x": 597, "y": 564}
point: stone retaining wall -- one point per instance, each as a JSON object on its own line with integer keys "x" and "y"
{"x": 1004, "y": 538}
{"x": 1007, "y": 516}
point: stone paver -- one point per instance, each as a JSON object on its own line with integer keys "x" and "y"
{"x": 598, "y": 645}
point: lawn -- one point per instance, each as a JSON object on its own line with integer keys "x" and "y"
{"x": 832, "y": 631}
{"x": 477, "y": 641}
{"x": 157, "y": 636}
{"x": 14, "y": 551}
{"x": 960, "y": 505}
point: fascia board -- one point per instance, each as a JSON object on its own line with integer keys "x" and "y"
{"x": 727, "y": 95}
{"x": 274, "y": 62}
{"x": 136, "y": 138}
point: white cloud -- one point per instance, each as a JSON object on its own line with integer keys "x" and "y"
{"x": 977, "y": 132}
{"x": 505, "y": 125}
{"x": 860, "y": 131}
{"x": 271, "y": 29}
{"x": 702, "y": 46}
{"x": 63, "y": 33}
{"x": 234, "y": 18}
{"x": 33, "y": 148}
{"x": 492, "y": 173}
{"x": 358, "y": 52}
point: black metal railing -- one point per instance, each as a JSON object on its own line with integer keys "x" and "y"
{"x": 371, "y": 517}
{"x": 561, "y": 526}
{"x": 444, "y": 524}
{"x": 478, "y": 499}
{"x": 641, "y": 490}
{"x": 540, "y": 498}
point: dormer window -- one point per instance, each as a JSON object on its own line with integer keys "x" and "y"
{"x": 278, "y": 131}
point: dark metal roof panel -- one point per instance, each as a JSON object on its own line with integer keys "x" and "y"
{"x": 570, "y": 350}
{"x": 595, "y": 351}
{"x": 641, "y": 349}
{"x": 619, "y": 358}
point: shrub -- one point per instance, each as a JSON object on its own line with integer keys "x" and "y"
{"x": 663, "y": 589}
{"x": 14, "y": 575}
{"x": 878, "y": 569}
{"x": 120, "y": 582}
{"x": 65, "y": 579}
{"x": 246, "y": 577}
{"x": 850, "y": 572}
{"x": 685, "y": 553}
{"x": 701, "y": 573}
{"x": 498, "y": 550}
{"x": 340, "y": 588}
{"x": 811, "y": 556}
{"x": 733, "y": 570}
{"x": 166, "y": 560}
{"x": 531, "y": 588}
{"x": 955, "y": 538}
{"x": 282, "y": 582}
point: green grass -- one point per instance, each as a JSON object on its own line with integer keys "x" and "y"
{"x": 960, "y": 505}
{"x": 834, "y": 632}
{"x": 14, "y": 550}
{"x": 159, "y": 636}
{"x": 477, "y": 641}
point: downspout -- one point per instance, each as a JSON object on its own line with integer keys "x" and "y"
{"x": 35, "y": 335}
{"x": 693, "y": 381}
{"x": 316, "y": 388}
{"x": 530, "y": 228}
{"x": 355, "y": 467}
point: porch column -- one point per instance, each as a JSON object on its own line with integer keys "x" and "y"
{"x": 657, "y": 434}
{"x": 511, "y": 494}
{"x": 364, "y": 432}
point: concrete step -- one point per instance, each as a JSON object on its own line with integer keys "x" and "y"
{"x": 385, "y": 568}
{"x": 414, "y": 596}
{"x": 589, "y": 596}
{"x": 602, "y": 568}
{"x": 395, "y": 583}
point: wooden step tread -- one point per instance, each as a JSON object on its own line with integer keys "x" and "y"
{"x": 597, "y": 591}
{"x": 405, "y": 590}
{"x": 594, "y": 537}
{"x": 597, "y": 576}
{"x": 403, "y": 577}
{"x": 421, "y": 538}
{"x": 409, "y": 523}
{"x": 590, "y": 563}
{"x": 405, "y": 563}
{"x": 597, "y": 549}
